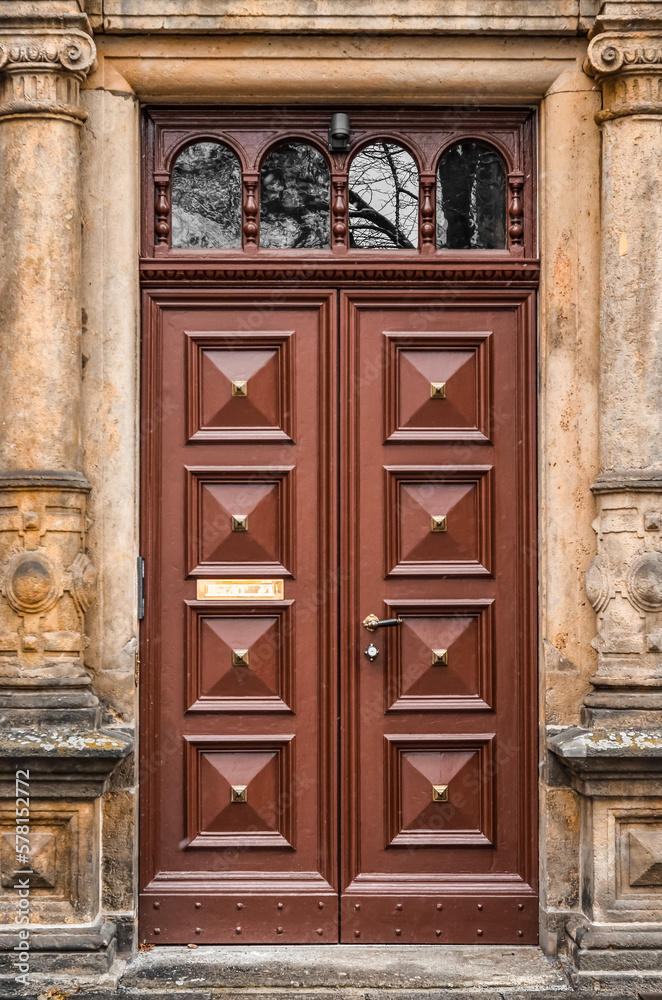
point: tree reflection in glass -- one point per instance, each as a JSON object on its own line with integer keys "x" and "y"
{"x": 383, "y": 199}
{"x": 471, "y": 198}
{"x": 206, "y": 198}
{"x": 294, "y": 199}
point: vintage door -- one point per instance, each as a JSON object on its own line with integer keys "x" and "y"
{"x": 437, "y": 509}
{"x": 338, "y": 699}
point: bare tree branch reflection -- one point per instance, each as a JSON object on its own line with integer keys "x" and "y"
{"x": 383, "y": 199}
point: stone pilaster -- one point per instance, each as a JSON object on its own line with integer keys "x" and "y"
{"x": 615, "y": 763}
{"x": 624, "y": 582}
{"x": 51, "y": 733}
{"x": 46, "y": 577}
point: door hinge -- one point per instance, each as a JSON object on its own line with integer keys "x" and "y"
{"x": 140, "y": 569}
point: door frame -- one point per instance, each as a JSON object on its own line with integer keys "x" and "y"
{"x": 461, "y": 275}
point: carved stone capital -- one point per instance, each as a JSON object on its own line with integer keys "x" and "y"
{"x": 628, "y": 66}
{"x": 41, "y": 71}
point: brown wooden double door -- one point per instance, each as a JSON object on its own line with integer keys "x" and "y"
{"x": 338, "y": 454}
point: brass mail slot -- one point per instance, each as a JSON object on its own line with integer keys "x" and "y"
{"x": 240, "y": 590}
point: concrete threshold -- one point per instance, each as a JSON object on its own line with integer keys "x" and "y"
{"x": 304, "y": 967}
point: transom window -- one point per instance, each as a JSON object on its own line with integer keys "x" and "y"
{"x": 411, "y": 181}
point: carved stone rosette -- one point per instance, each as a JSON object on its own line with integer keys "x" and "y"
{"x": 628, "y": 65}
{"x": 41, "y": 72}
{"x": 624, "y": 586}
{"x": 47, "y": 582}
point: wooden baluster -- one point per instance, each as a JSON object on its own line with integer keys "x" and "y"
{"x": 339, "y": 225}
{"x": 162, "y": 211}
{"x": 250, "y": 209}
{"x": 426, "y": 213}
{"x": 515, "y": 214}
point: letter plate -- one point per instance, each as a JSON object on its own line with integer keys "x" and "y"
{"x": 240, "y": 590}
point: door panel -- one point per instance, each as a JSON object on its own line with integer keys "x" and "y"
{"x": 239, "y": 763}
{"x": 437, "y": 516}
{"x": 431, "y": 453}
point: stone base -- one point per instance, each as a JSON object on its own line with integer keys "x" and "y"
{"x": 331, "y": 972}
{"x": 57, "y": 952}
{"x": 356, "y": 967}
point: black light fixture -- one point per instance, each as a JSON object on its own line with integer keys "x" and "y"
{"x": 339, "y": 133}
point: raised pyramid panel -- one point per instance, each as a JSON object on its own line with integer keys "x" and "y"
{"x": 261, "y": 500}
{"x": 217, "y": 684}
{"x": 240, "y": 386}
{"x": 415, "y": 496}
{"x": 459, "y": 364}
{"x": 239, "y": 791}
{"x": 465, "y": 631}
{"x": 461, "y": 765}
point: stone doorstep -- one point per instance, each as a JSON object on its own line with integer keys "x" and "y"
{"x": 344, "y": 967}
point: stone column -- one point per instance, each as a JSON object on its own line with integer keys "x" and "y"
{"x": 624, "y": 582}
{"x": 615, "y": 763}
{"x": 46, "y": 578}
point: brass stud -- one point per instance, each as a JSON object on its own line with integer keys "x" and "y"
{"x": 280, "y": 906}
{"x": 398, "y": 906}
{"x": 240, "y": 657}
{"x": 398, "y": 931}
{"x": 520, "y": 906}
{"x": 320, "y": 905}
{"x": 480, "y": 906}
{"x": 438, "y": 522}
{"x": 157, "y": 930}
{"x": 439, "y": 657}
{"x": 239, "y": 793}
{"x": 240, "y": 388}
{"x": 438, "y": 933}
{"x": 279, "y": 930}
{"x": 440, "y": 906}
{"x": 240, "y": 522}
{"x": 440, "y": 793}
{"x": 357, "y": 933}
{"x": 237, "y": 930}
{"x": 198, "y": 930}
{"x": 437, "y": 390}
{"x": 520, "y": 934}
{"x": 479, "y": 933}
{"x": 198, "y": 905}
{"x": 240, "y": 906}
{"x": 319, "y": 930}
{"x": 357, "y": 906}
{"x": 157, "y": 906}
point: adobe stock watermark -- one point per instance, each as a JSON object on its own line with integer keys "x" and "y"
{"x": 22, "y": 872}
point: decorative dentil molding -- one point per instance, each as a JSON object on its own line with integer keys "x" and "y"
{"x": 628, "y": 65}
{"x": 41, "y": 71}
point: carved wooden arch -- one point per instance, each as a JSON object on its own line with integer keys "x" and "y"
{"x": 251, "y": 133}
{"x": 295, "y": 139}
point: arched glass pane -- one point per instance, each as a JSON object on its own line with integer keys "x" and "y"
{"x": 206, "y": 198}
{"x": 471, "y": 198}
{"x": 383, "y": 199}
{"x": 294, "y": 199}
